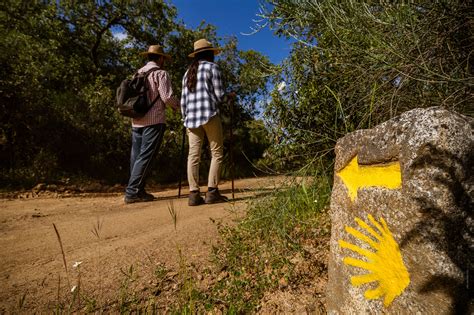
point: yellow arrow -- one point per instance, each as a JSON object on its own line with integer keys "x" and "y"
{"x": 357, "y": 176}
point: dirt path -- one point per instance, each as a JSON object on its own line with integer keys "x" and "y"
{"x": 141, "y": 235}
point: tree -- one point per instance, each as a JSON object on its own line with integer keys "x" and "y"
{"x": 61, "y": 63}
{"x": 354, "y": 65}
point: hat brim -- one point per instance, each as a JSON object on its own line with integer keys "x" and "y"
{"x": 215, "y": 50}
{"x": 146, "y": 53}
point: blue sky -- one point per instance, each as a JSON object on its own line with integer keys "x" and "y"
{"x": 232, "y": 18}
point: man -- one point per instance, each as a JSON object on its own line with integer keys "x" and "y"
{"x": 148, "y": 131}
{"x": 202, "y": 93}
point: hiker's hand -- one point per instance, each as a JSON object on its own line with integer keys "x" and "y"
{"x": 232, "y": 95}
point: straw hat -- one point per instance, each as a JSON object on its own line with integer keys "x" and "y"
{"x": 156, "y": 50}
{"x": 203, "y": 45}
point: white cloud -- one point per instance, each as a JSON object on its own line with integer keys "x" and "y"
{"x": 120, "y": 35}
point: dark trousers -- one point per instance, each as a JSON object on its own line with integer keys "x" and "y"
{"x": 146, "y": 141}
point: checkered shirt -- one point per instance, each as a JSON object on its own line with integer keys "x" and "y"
{"x": 160, "y": 84}
{"x": 200, "y": 106}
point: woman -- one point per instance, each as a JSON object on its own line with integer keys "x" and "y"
{"x": 202, "y": 93}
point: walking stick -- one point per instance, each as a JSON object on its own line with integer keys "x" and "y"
{"x": 230, "y": 145}
{"x": 181, "y": 162}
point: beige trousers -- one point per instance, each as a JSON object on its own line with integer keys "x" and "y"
{"x": 213, "y": 130}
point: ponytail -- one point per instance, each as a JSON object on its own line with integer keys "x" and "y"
{"x": 191, "y": 76}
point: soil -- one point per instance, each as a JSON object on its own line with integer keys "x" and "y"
{"x": 136, "y": 247}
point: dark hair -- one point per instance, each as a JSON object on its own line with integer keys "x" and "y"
{"x": 153, "y": 57}
{"x": 191, "y": 77}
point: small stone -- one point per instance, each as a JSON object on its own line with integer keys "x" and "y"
{"x": 39, "y": 187}
{"x": 222, "y": 275}
{"x": 282, "y": 283}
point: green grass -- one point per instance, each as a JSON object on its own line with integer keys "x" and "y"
{"x": 254, "y": 256}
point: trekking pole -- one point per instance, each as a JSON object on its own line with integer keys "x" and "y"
{"x": 230, "y": 145}
{"x": 181, "y": 162}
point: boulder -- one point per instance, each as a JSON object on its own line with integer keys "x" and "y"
{"x": 402, "y": 234}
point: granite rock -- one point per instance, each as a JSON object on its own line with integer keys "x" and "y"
{"x": 430, "y": 217}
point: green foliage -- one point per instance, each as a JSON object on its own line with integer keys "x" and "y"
{"x": 256, "y": 253}
{"x": 61, "y": 64}
{"x": 355, "y": 65}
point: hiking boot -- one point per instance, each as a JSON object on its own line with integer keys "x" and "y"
{"x": 141, "y": 197}
{"x": 213, "y": 196}
{"x": 195, "y": 199}
{"x": 133, "y": 199}
{"x": 146, "y": 196}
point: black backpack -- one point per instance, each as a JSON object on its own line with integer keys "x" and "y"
{"x": 132, "y": 100}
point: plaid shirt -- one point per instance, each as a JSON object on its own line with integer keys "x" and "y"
{"x": 160, "y": 84}
{"x": 200, "y": 106}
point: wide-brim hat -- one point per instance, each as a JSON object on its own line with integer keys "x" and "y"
{"x": 155, "y": 50}
{"x": 203, "y": 45}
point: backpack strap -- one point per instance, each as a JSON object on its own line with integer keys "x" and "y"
{"x": 151, "y": 70}
{"x": 147, "y": 73}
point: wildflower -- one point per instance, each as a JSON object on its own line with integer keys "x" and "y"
{"x": 76, "y": 264}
